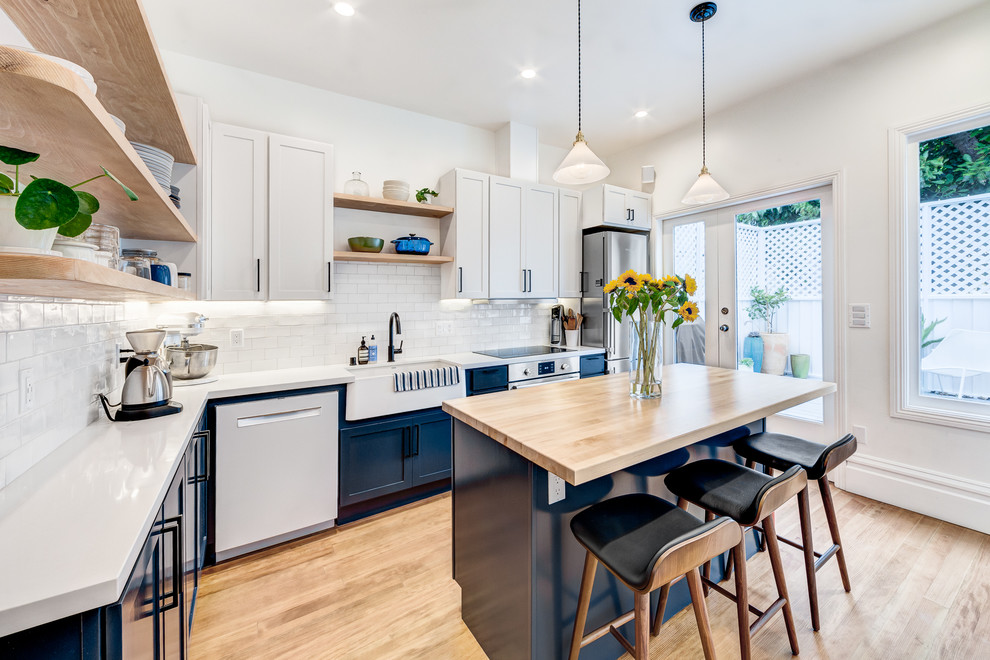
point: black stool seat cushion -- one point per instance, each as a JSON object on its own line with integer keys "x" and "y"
{"x": 661, "y": 464}
{"x": 724, "y": 488}
{"x": 781, "y": 451}
{"x": 628, "y": 533}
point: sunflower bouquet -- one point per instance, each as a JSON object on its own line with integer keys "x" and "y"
{"x": 648, "y": 303}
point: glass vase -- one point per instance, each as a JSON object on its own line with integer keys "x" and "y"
{"x": 646, "y": 355}
{"x": 356, "y": 186}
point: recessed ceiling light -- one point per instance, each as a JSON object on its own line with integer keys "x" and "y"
{"x": 343, "y": 8}
{"x": 641, "y": 114}
{"x": 528, "y": 73}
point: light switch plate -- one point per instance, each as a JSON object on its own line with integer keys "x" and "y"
{"x": 27, "y": 390}
{"x": 860, "y": 433}
{"x": 859, "y": 315}
{"x": 444, "y": 328}
{"x": 556, "y": 488}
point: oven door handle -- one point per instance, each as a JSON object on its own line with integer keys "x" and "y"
{"x": 543, "y": 381}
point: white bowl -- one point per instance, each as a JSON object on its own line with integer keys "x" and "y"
{"x": 76, "y": 249}
{"x": 399, "y": 196}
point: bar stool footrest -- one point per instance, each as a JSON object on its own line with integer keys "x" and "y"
{"x": 766, "y": 616}
{"x": 828, "y": 554}
{"x": 601, "y": 631}
{"x": 731, "y": 596}
{"x": 630, "y": 649}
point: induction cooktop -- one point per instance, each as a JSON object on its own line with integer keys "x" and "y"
{"x": 522, "y": 351}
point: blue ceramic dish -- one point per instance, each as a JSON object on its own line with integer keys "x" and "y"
{"x": 412, "y": 244}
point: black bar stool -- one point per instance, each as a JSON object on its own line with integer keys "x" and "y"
{"x": 646, "y": 542}
{"x": 782, "y": 452}
{"x": 748, "y": 497}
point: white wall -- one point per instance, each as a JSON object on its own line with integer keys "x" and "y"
{"x": 380, "y": 141}
{"x": 837, "y": 120}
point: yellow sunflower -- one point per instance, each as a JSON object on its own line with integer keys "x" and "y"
{"x": 629, "y": 279}
{"x": 688, "y": 311}
{"x": 690, "y": 285}
{"x": 611, "y": 286}
{"x": 670, "y": 280}
{"x": 644, "y": 279}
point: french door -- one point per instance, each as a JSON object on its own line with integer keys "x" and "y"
{"x": 743, "y": 254}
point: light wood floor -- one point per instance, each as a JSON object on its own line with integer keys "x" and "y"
{"x": 381, "y": 588}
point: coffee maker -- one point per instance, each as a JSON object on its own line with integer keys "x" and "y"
{"x": 556, "y": 324}
{"x": 147, "y": 381}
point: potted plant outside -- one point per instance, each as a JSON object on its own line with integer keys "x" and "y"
{"x": 31, "y": 215}
{"x": 746, "y": 364}
{"x": 423, "y": 195}
{"x": 775, "y": 344}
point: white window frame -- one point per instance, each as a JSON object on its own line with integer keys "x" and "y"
{"x": 907, "y": 401}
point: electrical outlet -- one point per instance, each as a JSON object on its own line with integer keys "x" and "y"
{"x": 445, "y": 328}
{"x": 237, "y": 338}
{"x": 27, "y": 390}
{"x": 860, "y": 433}
{"x": 555, "y": 492}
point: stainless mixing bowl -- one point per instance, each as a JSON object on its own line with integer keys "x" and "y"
{"x": 191, "y": 361}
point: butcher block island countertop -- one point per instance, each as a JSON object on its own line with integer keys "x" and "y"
{"x": 584, "y": 429}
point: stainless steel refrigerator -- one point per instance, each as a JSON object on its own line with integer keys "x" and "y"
{"x": 608, "y": 254}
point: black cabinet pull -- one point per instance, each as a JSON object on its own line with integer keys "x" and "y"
{"x": 632, "y": 214}
{"x": 329, "y": 277}
{"x": 460, "y": 279}
{"x": 259, "y": 275}
{"x": 198, "y": 477}
{"x": 416, "y": 451}
{"x": 173, "y": 526}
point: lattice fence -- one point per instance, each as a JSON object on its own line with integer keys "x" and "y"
{"x": 689, "y": 253}
{"x": 954, "y": 247}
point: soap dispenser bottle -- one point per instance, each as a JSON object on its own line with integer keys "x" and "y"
{"x": 373, "y": 350}
{"x": 363, "y": 352}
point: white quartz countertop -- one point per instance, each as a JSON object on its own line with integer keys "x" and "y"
{"x": 72, "y": 526}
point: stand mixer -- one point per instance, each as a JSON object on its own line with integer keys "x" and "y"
{"x": 190, "y": 363}
{"x": 147, "y": 387}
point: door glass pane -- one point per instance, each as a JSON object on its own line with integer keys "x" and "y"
{"x": 954, "y": 266}
{"x": 779, "y": 291}
{"x": 689, "y": 258}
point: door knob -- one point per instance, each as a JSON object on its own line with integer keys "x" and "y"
{"x": 723, "y": 328}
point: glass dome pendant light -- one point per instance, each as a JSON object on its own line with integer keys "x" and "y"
{"x": 581, "y": 165}
{"x": 705, "y": 188}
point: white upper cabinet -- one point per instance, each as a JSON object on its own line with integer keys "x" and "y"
{"x": 464, "y": 234}
{"x": 507, "y": 277}
{"x": 569, "y": 244}
{"x": 238, "y": 216}
{"x": 539, "y": 241}
{"x": 300, "y": 219}
{"x": 612, "y": 206}
{"x": 271, "y": 229}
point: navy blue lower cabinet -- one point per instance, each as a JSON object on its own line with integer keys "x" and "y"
{"x": 373, "y": 460}
{"x": 592, "y": 365}
{"x": 487, "y": 379}
{"x": 431, "y": 451}
{"x": 391, "y": 461}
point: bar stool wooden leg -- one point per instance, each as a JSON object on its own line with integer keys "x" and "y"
{"x": 661, "y": 608}
{"x": 742, "y": 600}
{"x": 584, "y": 602}
{"x": 770, "y": 527}
{"x": 707, "y": 571}
{"x": 804, "y": 513}
{"x": 833, "y": 528}
{"x": 701, "y": 613}
{"x": 642, "y": 624}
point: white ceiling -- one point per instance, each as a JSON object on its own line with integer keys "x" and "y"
{"x": 460, "y": 59}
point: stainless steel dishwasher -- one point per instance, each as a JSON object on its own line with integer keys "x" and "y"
{"x": 276, "y": 471}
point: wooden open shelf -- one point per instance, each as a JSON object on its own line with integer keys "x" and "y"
{"x": 59, "y": 277}
{"x": 112, "y": 40}
{"x": 340, "y": 200}
{"x": 389, "y": 258}
{"x": 49, "y": 110}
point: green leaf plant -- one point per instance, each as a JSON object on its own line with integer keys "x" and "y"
{"x": 46, "y": 203}
{"x": 765, "y": 305}
{"x": 423, "y": 192}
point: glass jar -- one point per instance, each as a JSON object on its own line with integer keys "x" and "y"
{"x": 356, "y": 186}
{"x": 138, "y": 266}
{"x": 185, "y": 281}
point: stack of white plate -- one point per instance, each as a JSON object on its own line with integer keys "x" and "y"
{"x": 159, "y": 162}
{"x": 86, "y": 76}
{"x": 395, "y": 189}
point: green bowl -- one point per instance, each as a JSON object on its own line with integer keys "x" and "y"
{"x": 366, "y": 244}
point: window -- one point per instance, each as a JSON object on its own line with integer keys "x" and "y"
{"x": 942, "y": 221}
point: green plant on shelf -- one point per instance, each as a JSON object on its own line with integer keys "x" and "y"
{"x": 423, "y": 192}
{"x": 46, "y": 203}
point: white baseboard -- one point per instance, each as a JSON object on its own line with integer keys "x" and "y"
{"x": 952, "y": 499}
